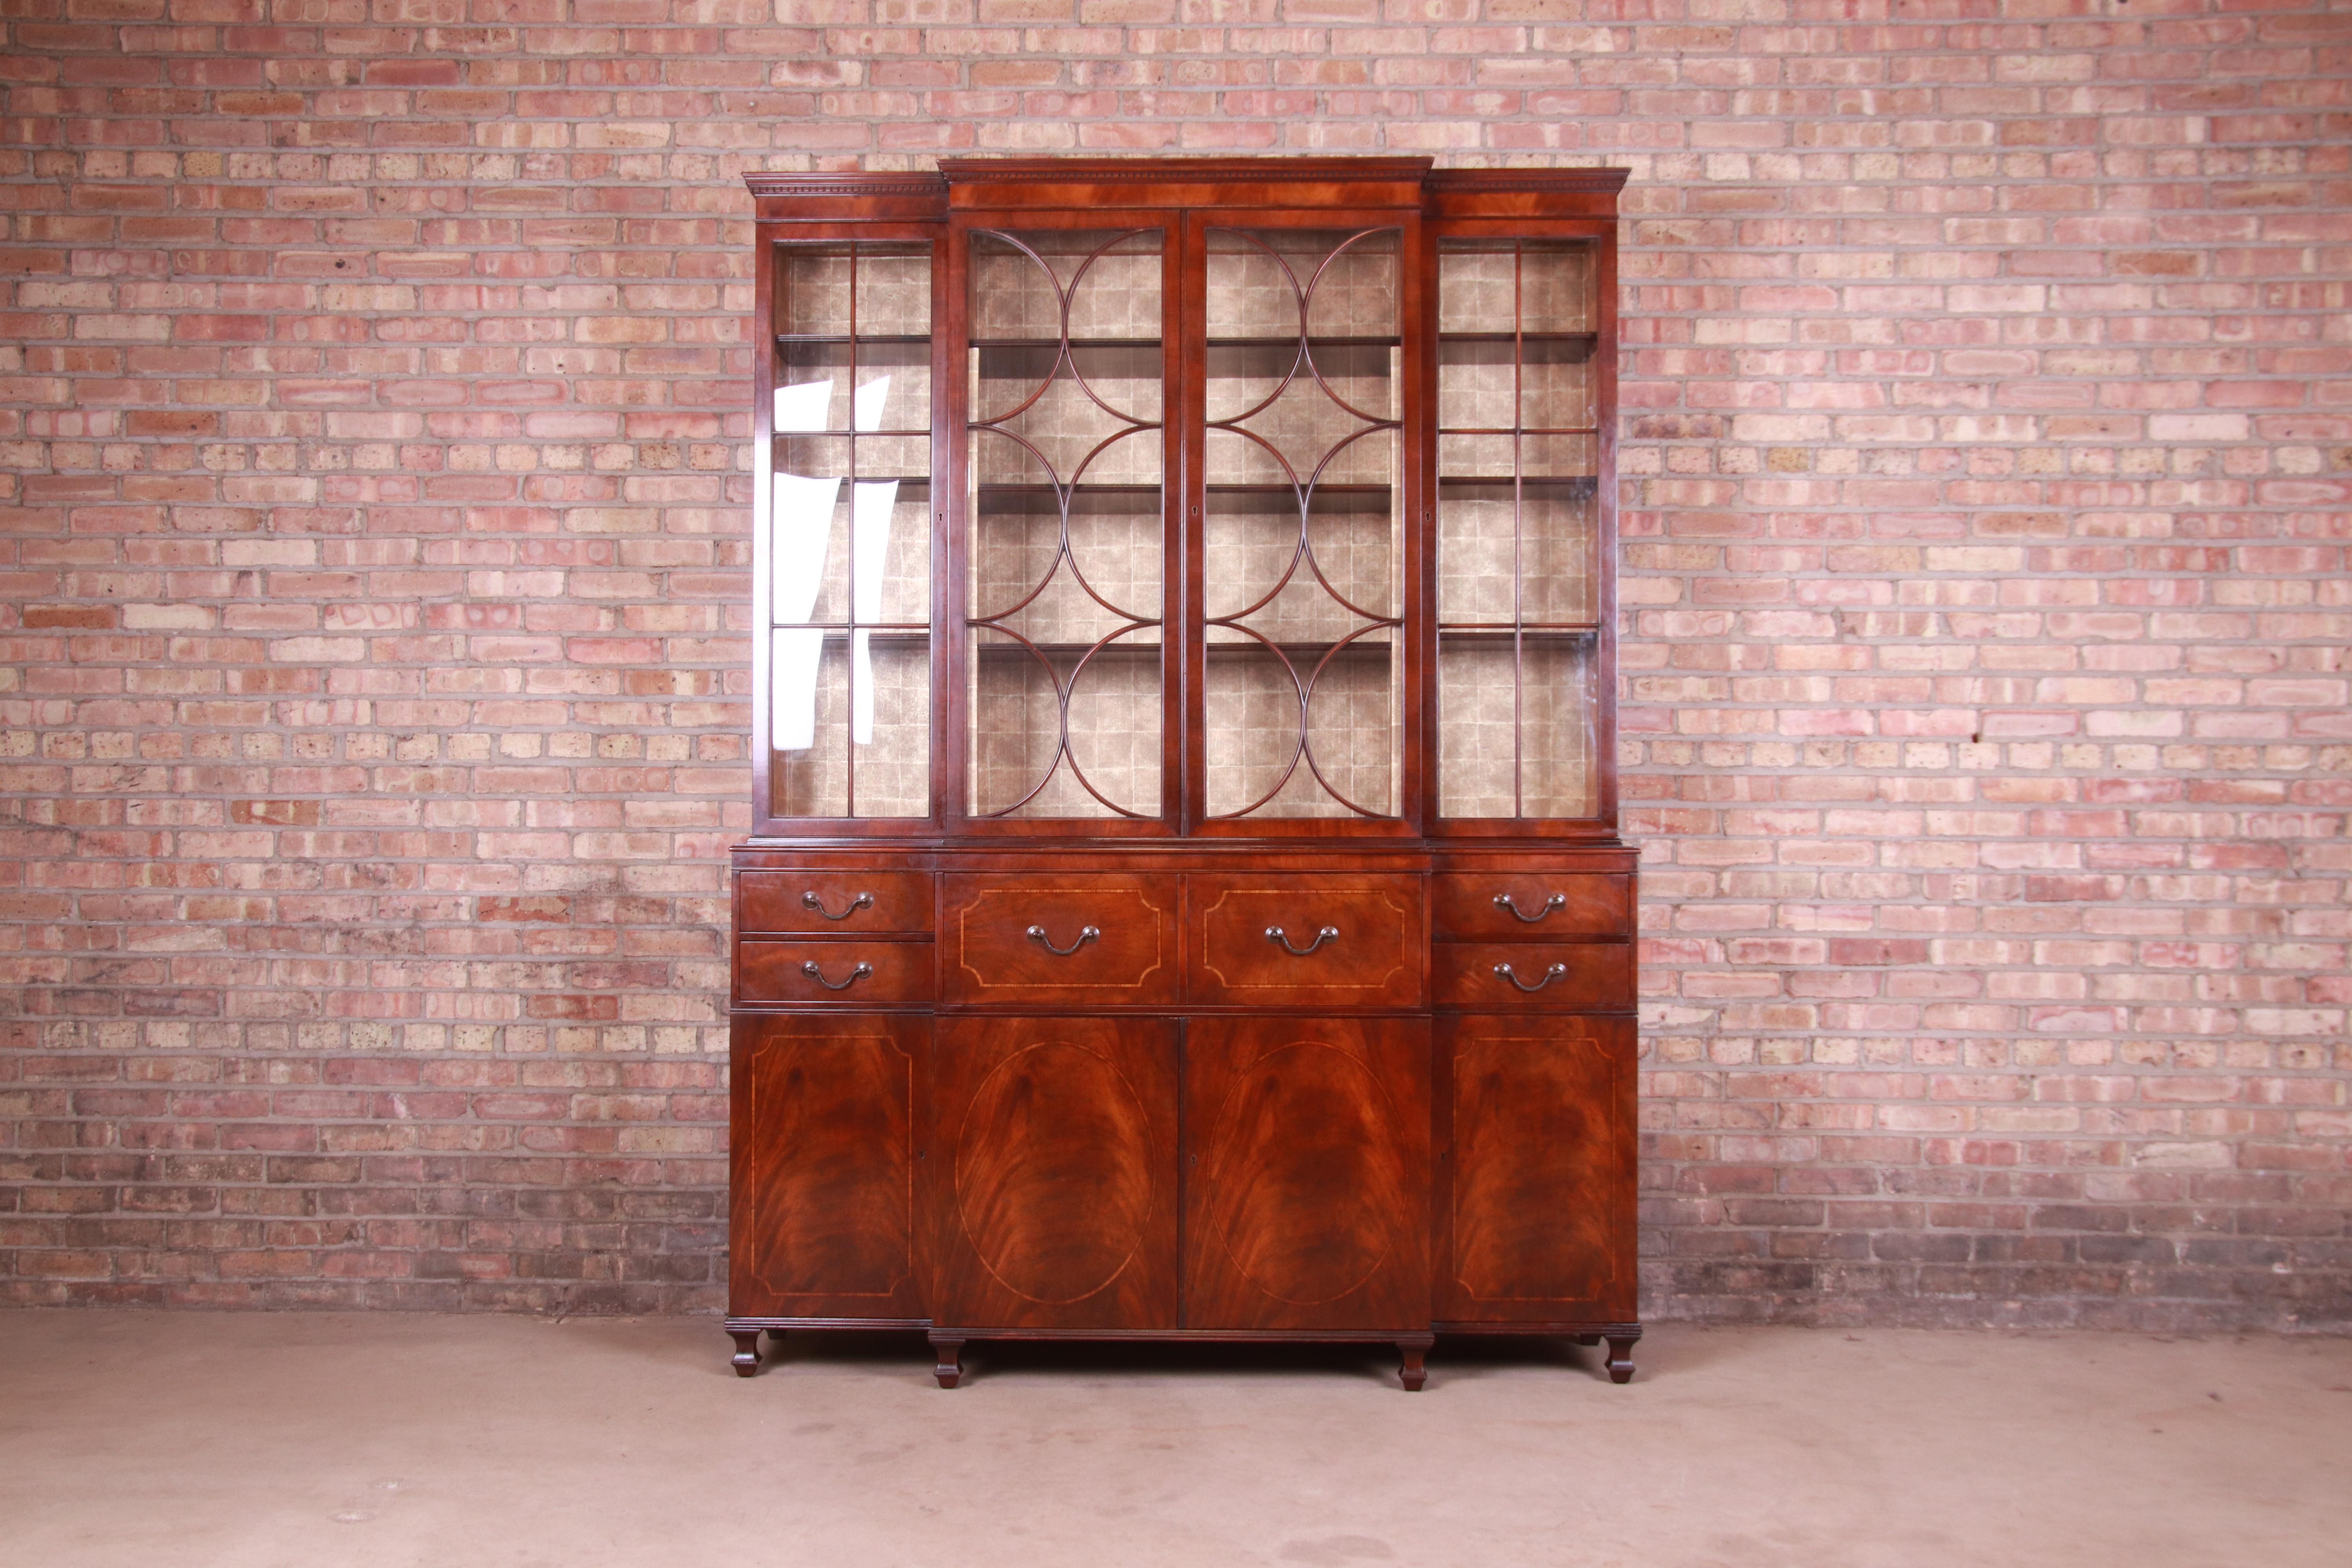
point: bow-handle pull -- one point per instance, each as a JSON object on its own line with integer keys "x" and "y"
{"x": 1503, "y": 901}
{"x": 809, "y": 901}
{"x": 1086, "y": 935}
{"x": 857, "y": 975}
{"x": 1328, "y": 933}
{"x": 1554, "y": 972}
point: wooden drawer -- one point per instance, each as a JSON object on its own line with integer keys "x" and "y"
{"x": 896, "y": 972}
{"x": 833, "y": 903}
{"x": 1343, "y": 941}
{"x": 1543, "y": 905}
{"x": 1025, "y": 940}
{"x": 1587, "y": 977}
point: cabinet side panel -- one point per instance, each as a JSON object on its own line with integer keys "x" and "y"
{"x": 1055, "y": 1197}
{"x": 1538, "y": 1207}
{"x": 1308, "y": 1173}
{"x": 823, "y": 1222}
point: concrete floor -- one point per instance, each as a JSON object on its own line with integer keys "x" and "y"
{"x": 252, "y": 1441}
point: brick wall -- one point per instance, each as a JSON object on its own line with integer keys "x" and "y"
{"x": 374, "y": 528}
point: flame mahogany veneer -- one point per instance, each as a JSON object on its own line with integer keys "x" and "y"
{"x": 1173, "y": 1076}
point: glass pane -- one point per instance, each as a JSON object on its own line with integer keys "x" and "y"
{"x": 1557, "y": 768}
{"x": 891, "y": 383}
{"x": 808, "y": 713}
{"x": 846, "y": 552}
{"x": 1517, "y": 711}
{"x": 890, "y": 722}
{"x": 1517, "y": 523}
{"x": 1065, "y": 553}
{"x": 814, "y": 289}
{"x": 1547, "y": 557}
{"x": 1106, "y": 762}
{"x": 893, "y": 290}
{"x": 1303, "y": 537}
{"x": 1476, "y": 760}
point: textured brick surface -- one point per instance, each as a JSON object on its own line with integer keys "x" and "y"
{"x": 373, "y": 516}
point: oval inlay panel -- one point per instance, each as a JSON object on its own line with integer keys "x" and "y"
{"x": 1052, "y": 1183}
{"x": 1305, "y": 1175}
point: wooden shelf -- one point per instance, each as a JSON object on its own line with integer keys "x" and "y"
{"x": 910, "y": 480}
{"x": 1520, "y": 430}
{"x": 869, "y": 435}
{"x": 884, "y": 635}
{"x": 1336, "y": 340}
{"x": 1032, "y": 344}
{"x": 795, "y": 340}
{"x": 1061, "y": 649}
{"x": 1486, "y": 636}
{"x": 1445, "y": 338}
{"x": 1506, "y": 480}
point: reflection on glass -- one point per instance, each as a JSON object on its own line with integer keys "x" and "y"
{"x": 1518, "y": 451}
{"x": 847, "y": 546}
{"x": 1303, "y": 537}
{"x": 1066, "y": 550}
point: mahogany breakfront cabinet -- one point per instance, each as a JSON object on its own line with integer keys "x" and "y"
{"x": 1184, "y": 897}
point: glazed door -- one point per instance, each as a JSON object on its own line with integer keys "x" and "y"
{"x": 823, "y": 1214}
{"x": 1304, "y": 332}
{"x": 1307, "y": 1173}
{"x": 1067, "y": 456}
{"x": 1525, "y": 408}
{"x": 1535, "y": 1120}
{"x": 1053, "y": 1160}
{"x": 844, "y": 519}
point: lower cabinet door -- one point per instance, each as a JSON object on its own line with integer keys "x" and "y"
{"x": 1053, "y": 1178}
{"x": 822, "y": 1215}
{"x": 1307, "y": 1173}
{"x": 1536, "y": 1186}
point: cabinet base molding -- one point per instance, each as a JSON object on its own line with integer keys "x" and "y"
{"x": 1619, "y": 1338}
{"x": 1413, "y": 1345}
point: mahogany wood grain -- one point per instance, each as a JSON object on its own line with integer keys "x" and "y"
{"x": 1536, "y": 1185}
{"x": 1131, "y": 961}
{"x": 1594, "y": 977}
{"x": 1376, "y": 959}
{"x": 770, "y": 974}
{"x": 1307, "y": 1173}
{"x": 822, "y": 1221}
{"x": 847, "y": 903}
{"x": 1054, "y": 1186}
{"x": 1462, "y": 906}
{"x": 1245, "y": 1150}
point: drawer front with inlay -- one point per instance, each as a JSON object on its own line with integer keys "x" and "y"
{"x": 835, "y": 973}
{"x": 1493, "y": 976}
{"x": 1305, "y": 940}
{"x": 834, "y": 903}
{"x": 1517, "y": 906}
{"x": 1060, "y": 939}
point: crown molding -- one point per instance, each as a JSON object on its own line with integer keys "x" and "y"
{"x": 1582, "y": 179}
{"x": 874, "y": 185}
{"x": 1102, "y": 171}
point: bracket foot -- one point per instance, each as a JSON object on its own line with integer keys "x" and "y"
{"x": 949, "y": 1372}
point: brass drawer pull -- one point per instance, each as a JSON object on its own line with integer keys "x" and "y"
{"x": 1328, "y": 933}
{"x": 1503, "y": 901}
{"x": 1086, "y": 935}
{"x": 811, "y": 902}
{"x": 1554, "y": 972}
{"x": 857, "y": 975}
